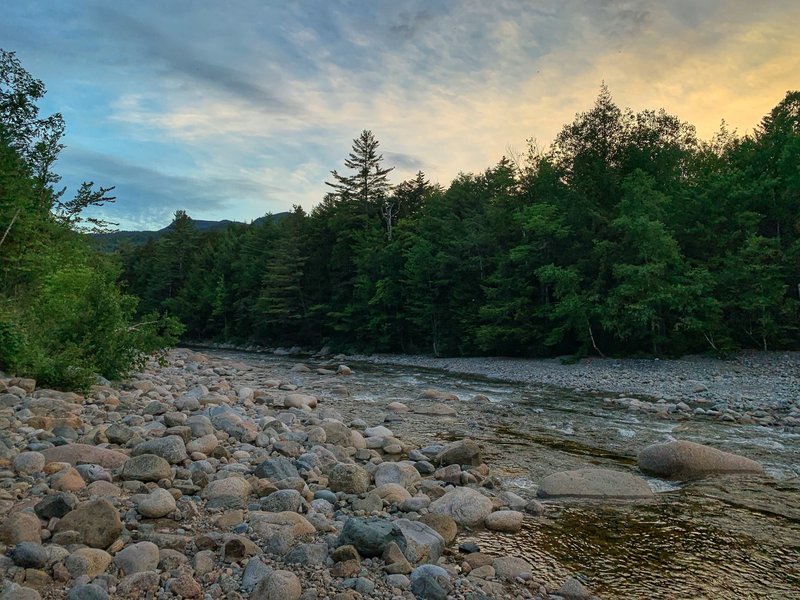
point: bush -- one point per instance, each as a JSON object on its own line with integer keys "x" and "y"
{"x": 79, "y": 324}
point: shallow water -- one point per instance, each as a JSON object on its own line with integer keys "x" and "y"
{"x": 721, "y": 538}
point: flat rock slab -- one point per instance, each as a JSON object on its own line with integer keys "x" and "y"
{"x": 688, "y": 460}
{"x": 76, "y": 454}
{"x": 594, "y": 483}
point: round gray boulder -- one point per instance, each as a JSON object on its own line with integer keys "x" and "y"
{"x": 688, "y": 460}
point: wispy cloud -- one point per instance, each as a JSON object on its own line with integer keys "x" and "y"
{"x": 236, "y": 109}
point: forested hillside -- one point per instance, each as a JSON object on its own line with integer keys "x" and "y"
{"x": 63, "y": 317}
{"x": 628, "y": 235}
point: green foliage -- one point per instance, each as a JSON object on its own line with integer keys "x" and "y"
{"x": 627, "y": 236}
{"x": 63, "y": 317}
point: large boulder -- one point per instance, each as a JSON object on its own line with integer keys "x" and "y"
{"x": 146, "y": 467}
{"x": 171, "y": 448}
{"x": 401, "y": 473}
{"x": 76, "y": 454}
{"x": 228, "y": 492}
{"x": 349, "y": 478}
{"x": 464, "y": 505}
{"x": 300, "y": 401}
{"x": 431, "y": 582}
{"x": 97, "y": 522}
{"x": 22, "y": 526}
{"x": 276, "y": 469}
{"x": 419, "y": 542}
{"x": 688, "y": 460}
{"x": 369, "y": 536}
{"x": 138, "y": 558}
{"x": 337, "y": 433}
{"x": 594, "y": 483}
{"x": 277, "y": 585}
{"x": 462, "y": 452}
{"x": 281, "y": 531}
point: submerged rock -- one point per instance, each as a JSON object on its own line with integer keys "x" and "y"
{"x": 593, "y": 483}
{"x": 688, "y": 460}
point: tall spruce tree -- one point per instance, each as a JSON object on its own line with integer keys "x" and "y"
{"x": 367, "y": 187}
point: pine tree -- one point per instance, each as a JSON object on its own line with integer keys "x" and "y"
{"x": 368, "y": 186}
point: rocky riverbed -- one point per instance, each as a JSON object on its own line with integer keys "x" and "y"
{"x": 750, "y": 387}
{"x": 219, "y": 476}
{"x": 184, "y": 482}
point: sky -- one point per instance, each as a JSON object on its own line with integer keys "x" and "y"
{"x": 231, "y": 110}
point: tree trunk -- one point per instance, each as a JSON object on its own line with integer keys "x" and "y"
{"x": 10, "y": 225}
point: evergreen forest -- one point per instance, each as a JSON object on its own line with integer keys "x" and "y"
{"x": 627, "y": 236}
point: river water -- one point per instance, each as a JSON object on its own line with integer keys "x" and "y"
{"x": 730, "y": 537}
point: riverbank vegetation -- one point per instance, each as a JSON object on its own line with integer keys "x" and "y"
{"x": 627, "y": 235}
{"x": 63, "y": 316}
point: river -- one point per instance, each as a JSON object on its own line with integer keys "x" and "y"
{"x": 731, "y": 537}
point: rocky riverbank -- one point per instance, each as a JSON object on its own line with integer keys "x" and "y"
{"x": 749, "y": 388}
{"x": 184, "y": 482}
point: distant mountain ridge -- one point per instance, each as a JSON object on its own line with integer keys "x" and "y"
{"x": 112, "y": 241}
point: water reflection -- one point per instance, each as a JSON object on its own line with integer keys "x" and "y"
{"x": 718, "y": 539}
{"x": 675, "y": 548}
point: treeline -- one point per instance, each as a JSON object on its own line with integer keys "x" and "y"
{"x": 63, "y": 316}
{"x": 628, "y": 235}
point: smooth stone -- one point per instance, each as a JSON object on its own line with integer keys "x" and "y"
{"x": 369, "y": 536}
{"x": 19, "y": 527}
{"x": 462, "y": 452}
{"x": 349, "y": 478}
{"x": 277, "y": 585}
{"x": 14, "y": 591}
{"x": 594, "y": 483}
{"x": 146, "y": 467}
{"x": 430, "y": 582}
{"x": 418, "y": 541}
{"x": 510, "y": 567}
{"x": 143, "y": 556}
{"x": 276, "y": 469}
{"x": 465, "y": 506}
{"x": 96, "y": 521}
{"x": 507, "y": 521}
{"x": 55, "y": 505}
{"x": 28, "y": 463}
{"x": 29, "y": 555}
{"x": 572, "y": 589}
{"x": 401, "y": 473}
{"x": 84, "y": 453}
{"x": 687, "y": 460}
{"x": 89, "y": 591}
{"x": 158, "y": 503}
{"x": 171, "y": 448}
{"x": 87, "y": 561}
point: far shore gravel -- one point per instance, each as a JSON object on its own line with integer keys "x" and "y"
{"x": 746, "y": 381}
